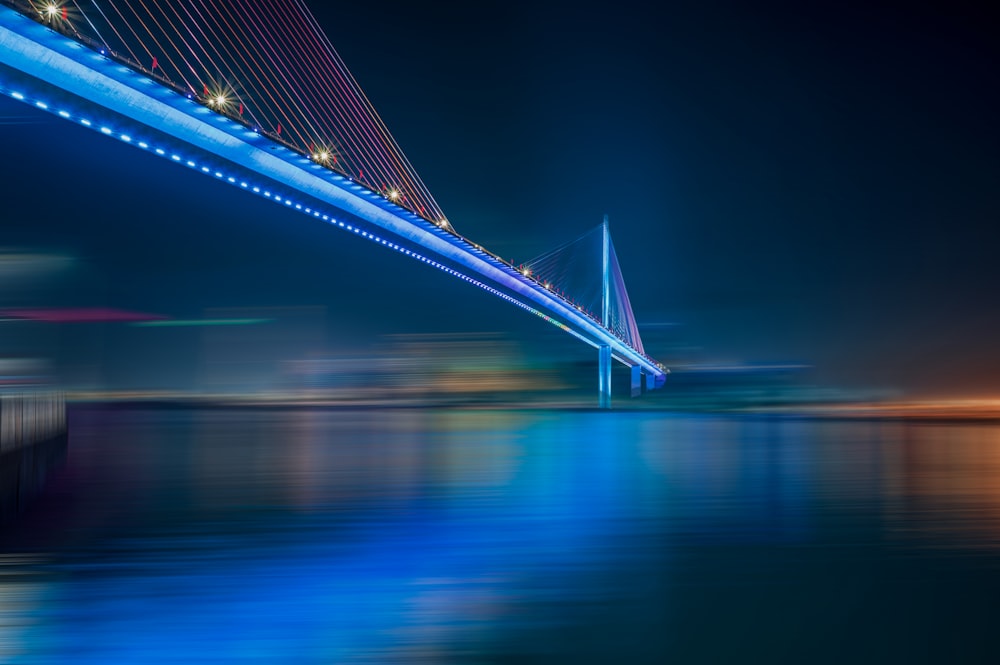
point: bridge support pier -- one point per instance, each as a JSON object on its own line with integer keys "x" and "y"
{"x": 636, "y": 380}
{"x": 650, "y": 382}
{"x": 604, "y": 376}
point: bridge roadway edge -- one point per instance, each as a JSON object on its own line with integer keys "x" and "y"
{"x": 36, "y": 51}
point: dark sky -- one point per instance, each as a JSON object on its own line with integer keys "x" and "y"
{"x": 812, "y": 183}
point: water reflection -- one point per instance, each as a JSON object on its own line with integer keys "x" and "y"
{"x": 24, "y": 473}
{"x": 450, "y": 536}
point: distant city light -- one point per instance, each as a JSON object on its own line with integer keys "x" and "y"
{"x": 198, "y": 323}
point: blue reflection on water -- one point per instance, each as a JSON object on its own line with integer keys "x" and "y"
{"x": 313, "y": 536}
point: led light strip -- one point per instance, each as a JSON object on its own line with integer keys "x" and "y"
{"x": 288, "y": 202}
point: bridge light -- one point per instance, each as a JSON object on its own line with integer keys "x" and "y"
{"x": 393, "y": 194}
{"x": 51, "y": 10}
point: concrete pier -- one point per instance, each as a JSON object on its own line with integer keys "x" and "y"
{"x": 30, "y": 417}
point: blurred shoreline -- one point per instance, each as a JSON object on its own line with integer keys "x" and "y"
{"x": 911, "y": 410}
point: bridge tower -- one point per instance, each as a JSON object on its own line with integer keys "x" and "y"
{"x": 604, "y": 350}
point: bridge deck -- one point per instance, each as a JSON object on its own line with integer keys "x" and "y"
{"x": 83, "y": 85}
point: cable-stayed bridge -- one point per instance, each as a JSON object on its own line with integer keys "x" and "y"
{"x": 254, "y": 95}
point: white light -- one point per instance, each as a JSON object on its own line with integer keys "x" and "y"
{"x": 256, "y": 190}
{"x": 143, "y": 144}
{"x": 176, "y": 158}
{"x": 231, "y": 179}
{"x": 191, "y": 164}
{"x": 243, "y": 184}
{"x": 205, "y": 169}
{"x": 41, "y": 105}
{"x": 85, "y": 122}
{"x": 17, "y": 95}
{"x": 64, "y": 114}
{"x": 105, "y": 130}
{"x": 160, "y": 151}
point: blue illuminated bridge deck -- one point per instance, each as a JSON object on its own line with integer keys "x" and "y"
{"x": 58, "y": 74}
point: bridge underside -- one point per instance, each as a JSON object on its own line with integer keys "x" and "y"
{"x": 55, "y": 73}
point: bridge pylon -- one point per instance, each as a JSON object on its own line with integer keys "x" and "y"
{"x": 604, "y": 352}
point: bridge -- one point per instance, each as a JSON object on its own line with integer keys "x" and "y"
{"x": 256, "y": 97}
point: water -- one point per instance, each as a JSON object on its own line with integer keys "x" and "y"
{"x": 450, "y": 536}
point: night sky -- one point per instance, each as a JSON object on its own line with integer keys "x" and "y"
{"x": 805, "y": 183}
